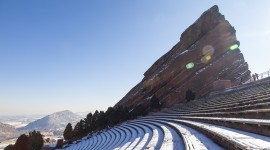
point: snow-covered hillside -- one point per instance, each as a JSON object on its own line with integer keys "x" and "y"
{"x": 55, "y": 121}
{"x": 7, "y": 132}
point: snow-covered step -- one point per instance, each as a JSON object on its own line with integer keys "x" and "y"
{"x": 111, "y": 138}
{"x": 91, "y": 142}
{"x": 116, "y": 140}
{"x": 114, "y": 137}
{"x": 252, "y": 114}
{"x": 74, "y": 146}
{"x": 144, "y": 135}
{"x": 88, "y": 142}
{"x": 161, "y": 115}
{"x": 108, "y": 138}
{"x": 264, "y": 105}
{"x": 157, "y": 138}
{"x": 193, "y": 139}
{"x": 133, "y": 135}
{"x": 231, "y": 138}
{"x": 122, "y": 138}
{"x": 81, "y": 144}
{"x": 102, "y": 140}
{"x": 242, "y": 120}
{"x": 258, "y": 126}
{"x": 171, "y": 138}
{"x": 95, "y": 140}
{"x": 127, "y": 137}
{"x": 99, "y": 139}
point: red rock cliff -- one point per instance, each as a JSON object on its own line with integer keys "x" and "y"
{"x": 207, "y": 51}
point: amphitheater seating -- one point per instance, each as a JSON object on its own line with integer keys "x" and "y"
{"x": 238, "y": 118}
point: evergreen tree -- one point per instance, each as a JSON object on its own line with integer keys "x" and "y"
{"x": 88, "y": 122}
{"x": 94, "y": 120}
{"x": 68, "y": 132}
{"x": 59, "y": 143}
{"x": 190, "y": 95}
{"x": 111, "y": 117}
{"x": 121, "y": 113}
{"x": 76, "y": 130}
{"x": 81, "y": 128}
{"x": 23, "y": 143}
{"x": 139, "y": 110}
{"x": 154, "y": 102}
{"x": 102, "y": 120}
{"x": 36, "y": 140}
{"x": 9, "y": 147}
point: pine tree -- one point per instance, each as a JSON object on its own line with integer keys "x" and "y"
{"x": 102, "y": 120}
{"x": 81, "y": 128}
{"x": 111, "y": 116}
{"x": 88, "y": 122}
{"x": 154, "y": 102}
{"x": 68, "y": 132}
{"x": 94, "y": 120}
{"x": 190, "y": 95}
{"x": 9, "y": 147}
{"x": 23, "y": 142}
{"x": 76, "y": 130}
{"x": 36, "y": 140}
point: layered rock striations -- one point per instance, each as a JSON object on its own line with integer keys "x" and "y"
{"x": 207, "y": 51}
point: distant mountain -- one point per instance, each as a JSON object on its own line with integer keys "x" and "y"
{"x": 53, "y": 122}
{"x": 19, "y": 120}
{"x": 83, "y": 114}
{"x": 7, "y": 132}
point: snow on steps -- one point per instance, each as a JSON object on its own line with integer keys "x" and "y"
{"x": 168, "y": 132}
{"x": 210, "y": 123}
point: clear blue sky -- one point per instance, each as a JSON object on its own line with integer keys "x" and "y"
{"x": 86, "y": 55}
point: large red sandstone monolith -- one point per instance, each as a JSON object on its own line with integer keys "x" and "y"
{"x": 204, "y": 48}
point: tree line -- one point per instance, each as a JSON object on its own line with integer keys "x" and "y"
{"x": 100, "y": 120}
{"x": 33, "y": 141}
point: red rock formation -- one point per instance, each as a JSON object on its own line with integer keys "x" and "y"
{"x": 205, "y": 48}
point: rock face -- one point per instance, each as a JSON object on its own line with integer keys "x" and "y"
{"x": 207, "y": 51}
{"x": 7, "y": 132}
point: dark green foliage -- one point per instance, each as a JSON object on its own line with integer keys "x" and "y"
{"x": 9, "y": 147}
{"x": 68, "y": 132}
{"x": 122, "y": 113}
{"x": 88, "y": 122}
{"x": 94, "y": 120}
{"x": 36, "y": 140}
{"x": 116, "y": 115}
{"x": 101, "y": 120}
{"x": 80, "y": 129}
{"x": 154, "y": 102}
{"x": 59, "y": 143}
{"x": 23, "y": 143}
{"x": 139, "y": 110}
{"x": 33, "y": 141}
{"x": 76, "y": 131}
{"x": 111, "y": 116}
{"x": 190, "y": 95}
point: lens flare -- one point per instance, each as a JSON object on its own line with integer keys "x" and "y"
{"x": 190, "y": 65}
{"x": 206, "y": 58}
{"x": 208, "y": 50}
{"x": 234, "y": 47}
